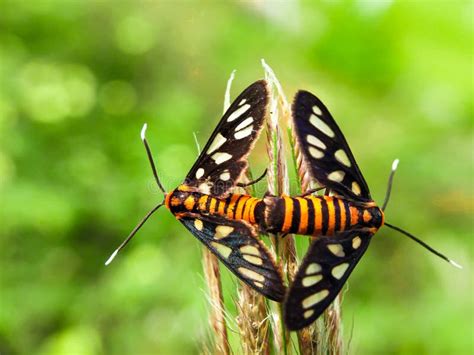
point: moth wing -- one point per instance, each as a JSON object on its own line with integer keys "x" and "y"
{"x": 236, "y": 245}
{"x": 321, "y": 275}
{"x": 223, "y": 160}
{"x": 325, "y": 150}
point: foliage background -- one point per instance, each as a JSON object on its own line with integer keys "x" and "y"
{"x": 78, "y": 80}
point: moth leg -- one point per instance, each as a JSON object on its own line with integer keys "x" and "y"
{"x": 254, "y": 181}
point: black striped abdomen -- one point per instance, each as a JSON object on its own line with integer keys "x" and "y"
{"x": 311, "y": 215}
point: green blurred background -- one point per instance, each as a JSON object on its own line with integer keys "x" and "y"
{"x": 78, "y": 80}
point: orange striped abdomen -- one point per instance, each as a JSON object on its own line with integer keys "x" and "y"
{"x": 235, "y": 206}
{"x": 311, "y": 215}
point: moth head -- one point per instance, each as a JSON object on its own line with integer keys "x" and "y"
{"x": 168, "y": 199}
{"x": 181, "y": 199}
{"x": 376, "y": 217}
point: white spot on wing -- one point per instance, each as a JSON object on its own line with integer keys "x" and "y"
{"x": 315, "y": 153}
{"x": 244, "y": 133}
{"x": 253, "y": 259}
{"x": 258, "y": 284}
{"x": 342, "y": 157}
{"x": 356, "y": 188}
{"x": 198, "y": 224}
{"x": 313, "y": 268}
{"x": 242, "y": 102}
{"x": 223, "y": 231}
{"x": 237, "y": 113}
{"x": 321, "y": 125}
{"x": 315, "y": 141}
{"x": 339, "y": 270}
{"x": 244, "y": 123}
{"x": 336, "y": 249}
{"x": 199, "y": 173}
{"x": 315, "y": 298}
{"x": 224, "y": 176}
{"x": 311, "y": 280}
{"x": 250, "y": 249}
{"x": 219, "y": 157}
{"x": 356, "y": 242}
{"x": 317, "y": 110}
{"x": 223, "y": 250}
{"x": 337, "y": 176}
{"x": 308, "y": 313}
{"x": 251, "y": 274}
{"x": 216, "y": 143}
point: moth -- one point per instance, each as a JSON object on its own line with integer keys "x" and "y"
{"x": 344, "y": 223}
{"x": 226, "y": 222}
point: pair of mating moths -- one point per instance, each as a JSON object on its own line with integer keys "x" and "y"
{"x": 229, "y": 223}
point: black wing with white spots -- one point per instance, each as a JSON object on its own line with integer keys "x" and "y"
{"x": 224, "y": 158}
{"x": 323, "y": 272}
{"x": 235, "y": 243}
{"x": 325, "y": 150}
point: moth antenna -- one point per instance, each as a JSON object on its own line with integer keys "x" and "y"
{"x": 227, "y": 90}
{"x": 423, "y": 244}
{"x": 390, "y": 183}
{"x": 198, "y": 146}
{"x": 150, "y": 158}
{"x": 143, "y": 131}
{"x": 132, "y": 233}
{"x": 111, "y": 257}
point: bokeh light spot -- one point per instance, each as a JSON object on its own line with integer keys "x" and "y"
{"x": 117, "y": 97}
{"x": 43, "y": 95}
{"x": 52, "y": 92}
{"x": 80, "y": 86}
{"x": 135, "y": 35}
{"x": 75, "y": 340}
